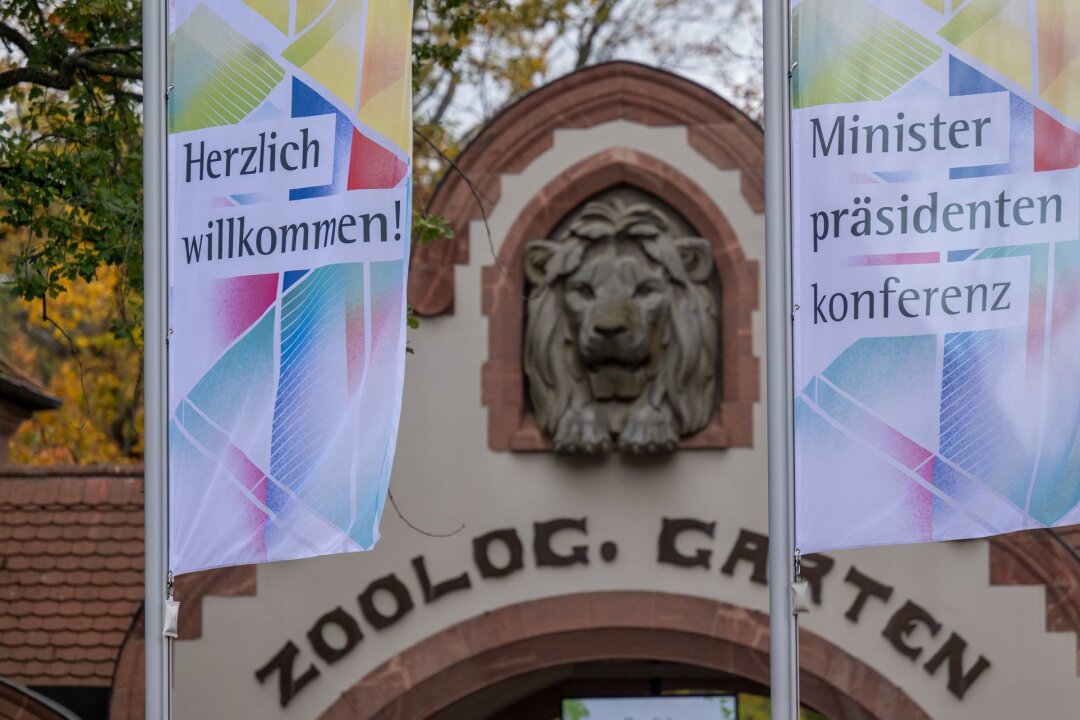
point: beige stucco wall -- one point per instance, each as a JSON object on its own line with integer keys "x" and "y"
{"x": 446, "y": 477}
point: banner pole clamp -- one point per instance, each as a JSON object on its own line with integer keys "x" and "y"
{"x": 172, "y": 609}
{"x": 800, "y": 589}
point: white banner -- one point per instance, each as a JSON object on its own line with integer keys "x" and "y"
{"x": 936, "y": 277}
{"x": 289, "y": 191}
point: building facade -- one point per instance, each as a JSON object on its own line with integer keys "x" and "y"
{"x": 579, "y": 496}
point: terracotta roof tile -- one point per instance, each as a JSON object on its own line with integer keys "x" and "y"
{"x": 45, "y": 493}
{"x": 73, "y": 532}
{"x": 52, "y": 623}
{"x": 70, "y": 491}
{"x": 33, "y": 639}
{"x": 16, "y": 666}
{"x": 48, "y": 532}
{"x": 71, "y": 557}
{"x": 95, "y": 491}
{"x": 20, "y": 494}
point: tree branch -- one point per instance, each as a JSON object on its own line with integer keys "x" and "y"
{"x": 16, "y": 38}
{"x": 129, "y": 94}
{"x": 37, "y": 76}
{"x": 109, "y": 50}
{"x": 42, "y": 20}
{"x": 599, "y": 19}
{"x": 479, "y": 197}
{"x": 447, "y": 98}
{"x": 63, "y": 79}
{"x": 104, "y": 70}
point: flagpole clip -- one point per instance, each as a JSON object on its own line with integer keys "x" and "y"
{"x": 172, "y": 609}
{"x": 800, "y": 589}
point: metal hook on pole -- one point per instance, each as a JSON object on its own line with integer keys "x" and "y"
{"x": 800, "y": 589}
{"x": 172, "y": 610}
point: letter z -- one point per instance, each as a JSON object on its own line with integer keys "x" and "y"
{"x": 249, "y": 156}
{"x": 1001, "y": 296}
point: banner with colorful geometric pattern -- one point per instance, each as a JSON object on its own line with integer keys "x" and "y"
{"x": 936, "y": 268}
{"x": 289, "y": 150}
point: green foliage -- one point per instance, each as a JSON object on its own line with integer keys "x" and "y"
{"x": 758, "y": 707}
{"x": 71, "y": 159}
{"x": 79, "y": 358}
{"x": 574, "y": 710}
{"x": 71, "y": 209}
{"x": 70, "y": 146}
{"x": 441, "y": 29}
{"x": 429, "y": 228}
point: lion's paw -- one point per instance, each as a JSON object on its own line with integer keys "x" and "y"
{"x": 581, "y": 432}
{"x": 649, "y": 431}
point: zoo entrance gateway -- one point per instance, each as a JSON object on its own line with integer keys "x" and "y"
{"x": 681, "y": 542}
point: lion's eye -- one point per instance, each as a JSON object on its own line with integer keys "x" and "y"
{"x": 646, "y": 288}
{"x": 583, "y": 289}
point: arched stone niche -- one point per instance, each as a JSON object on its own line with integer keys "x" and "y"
{"x": 509, "y": 425}
{"x": 716, "y": 131}
{"x": 622, "y": 327}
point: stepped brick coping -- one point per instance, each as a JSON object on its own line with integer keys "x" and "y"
{"x": 583, "y": 99}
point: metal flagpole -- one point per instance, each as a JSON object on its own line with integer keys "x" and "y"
{"x": 155, "y": 497}
{"x": 784, "y": 635}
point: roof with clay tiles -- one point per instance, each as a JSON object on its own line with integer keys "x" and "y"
{"x": 19, "y": 387}
{"x": 71, "y": 560}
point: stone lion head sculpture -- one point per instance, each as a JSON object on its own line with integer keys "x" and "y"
{"x": 621, "y": 339}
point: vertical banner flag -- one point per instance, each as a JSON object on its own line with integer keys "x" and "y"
{"x": 936, "y": 268}
{"x": 289, "y": 188}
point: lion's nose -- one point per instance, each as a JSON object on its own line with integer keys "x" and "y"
{"x": 611, "y": 328}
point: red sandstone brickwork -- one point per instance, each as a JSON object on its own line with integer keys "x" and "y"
{"x": 555, "y": 631}
{"x": 589, "y": 97}
{"x": 1051, "y": 559}
{"x": 16, "y": 703}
